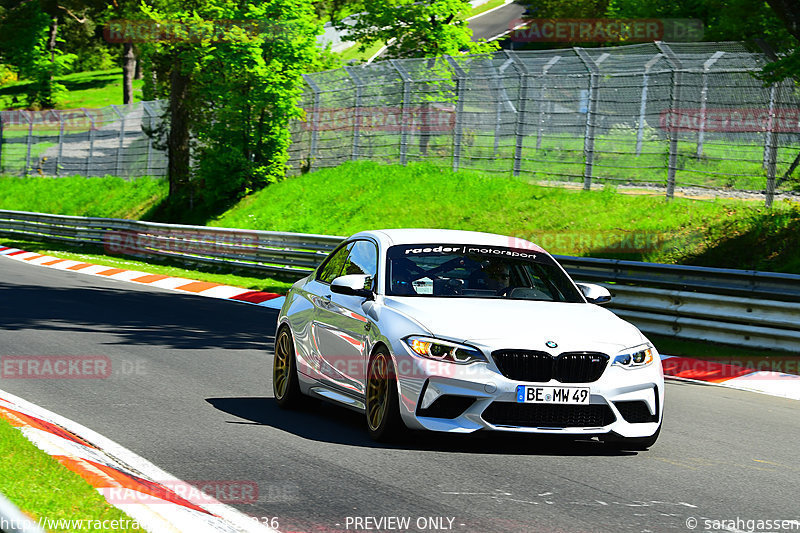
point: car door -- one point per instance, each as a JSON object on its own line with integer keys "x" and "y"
{"x": 340, "y": 324}
{"x": 309, "y": 357}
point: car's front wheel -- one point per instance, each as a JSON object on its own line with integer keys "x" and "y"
{"x": 285, "y": 383}
{"x": 383, "y": 407}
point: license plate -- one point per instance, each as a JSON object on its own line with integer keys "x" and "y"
{"x": 561, "y": 395}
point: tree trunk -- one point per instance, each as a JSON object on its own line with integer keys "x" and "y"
{"x": 138, "y": 74}
{"x": 178, "y": 139}
{"x": 128, "y": 71}
{"x": 51, "y": 41}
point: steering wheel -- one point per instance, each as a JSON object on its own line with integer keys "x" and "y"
{"x": 505, "y": 291}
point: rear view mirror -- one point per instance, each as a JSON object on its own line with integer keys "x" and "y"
{"x": 595, "y": 294}
{"x": 353, "y": 285}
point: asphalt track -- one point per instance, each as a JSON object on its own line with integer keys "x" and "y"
{"x": 190, "y": 391}
{"x": 496, "y": 22}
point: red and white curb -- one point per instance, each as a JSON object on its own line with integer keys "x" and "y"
{"x": 201, "y": 288}
{"x": 732, "y": 376}
{"x": 122, "y": 476}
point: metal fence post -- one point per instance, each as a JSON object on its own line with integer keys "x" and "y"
{"x": 591, "y": 113}
{"x": 772, "y": 147}
{"x": 404, "y": 110}
{"x": 118, "y": 164}
{"x": 357, "y": 118}
{"x": 150, "y": 114}
{"x": 701, "y": 132}
{"x": 458, "y": 134}
{"x": 91, "y": 141}
{"x": 1, "y": 142}
{"x": 522, "y": 98}
{"x": 28, "y": 142}
{"x": 312, "y": 151}
{"x": 542, "y": 77}
{"x": 496, "y": 87}
{"x": 675, "y": 99}
{"x": 60, "y": 143}
{"x": 768, "y": 134}
{"x": 643, "y": 103}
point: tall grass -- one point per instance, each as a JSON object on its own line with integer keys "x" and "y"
{"x": 604, "y": 223}
{"x": 94, "y": 197}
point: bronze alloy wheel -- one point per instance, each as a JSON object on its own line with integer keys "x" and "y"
{"x": 285, "y": 384}
{"x": 383, "y": 408}
{"x": 377, "y": 391}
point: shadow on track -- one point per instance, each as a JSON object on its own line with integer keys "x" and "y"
{"x": 137, "y": 317}
{"x": 325, "y": 422}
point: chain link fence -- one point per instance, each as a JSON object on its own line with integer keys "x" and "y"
{"x": 689, "y": 116}
{"x": 656, "y": 115}
{"x": 115, "y": 140}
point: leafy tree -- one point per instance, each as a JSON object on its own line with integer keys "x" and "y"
{"x": 29, "y": 40}
{"x": 416, "y": 29}
{"x": 337, "y": 9}
{"x": 787, "y": 66}
{"x": 232, "y": 89}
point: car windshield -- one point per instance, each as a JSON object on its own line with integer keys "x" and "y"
{"x": 476, "y": 271}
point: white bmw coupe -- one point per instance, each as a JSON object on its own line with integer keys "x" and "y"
{"x": 460, "y": 331}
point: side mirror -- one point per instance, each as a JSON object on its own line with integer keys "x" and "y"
{"x": 353, "y": 285}
{"x": 595, "y": 294}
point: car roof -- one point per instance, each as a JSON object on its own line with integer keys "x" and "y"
{"x": 391, "y": 237}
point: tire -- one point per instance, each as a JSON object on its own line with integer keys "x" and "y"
{"x": 382, "y": 404}
{"x": 285, "y": 383}
{"x": 612, "y": 440}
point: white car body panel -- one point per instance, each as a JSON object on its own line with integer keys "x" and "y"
{"x": 334, "y": 335}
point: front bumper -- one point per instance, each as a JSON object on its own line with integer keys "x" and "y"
{"x": 446, "y": 397}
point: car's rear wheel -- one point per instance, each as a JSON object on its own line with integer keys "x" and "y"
{"x": 285, "y": 383}
{"x": 383, "y": 407}
{"x": 617, "y": 442}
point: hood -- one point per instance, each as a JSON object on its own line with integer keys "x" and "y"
{"x": 522, "y": 324}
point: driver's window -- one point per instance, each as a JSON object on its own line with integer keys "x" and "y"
{"x": 363, "y": 259}
{"x": 332, "y": 267}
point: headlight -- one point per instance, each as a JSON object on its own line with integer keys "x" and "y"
{"x": 636, "y": 357}
{"x": 440, "y": 350}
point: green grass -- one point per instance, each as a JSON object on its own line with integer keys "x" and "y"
{"x": 722, "y": 164}
{"x": 486, "y": 7}
{"x": 96, "y": 197}
{"x": 359, "y": 196}
{"x": 355, "y": 54}
{"x": 167, "y": 267}
{"x": 43, "y": 488}
{"x": 92, "y": 89}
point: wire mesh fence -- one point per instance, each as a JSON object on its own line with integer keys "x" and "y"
{"x": 113, "y": 140}
{"x": 654, "y": 115}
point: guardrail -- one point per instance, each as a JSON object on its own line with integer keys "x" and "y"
{"x": 756, "y": 309}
